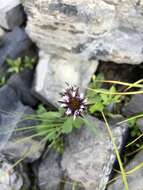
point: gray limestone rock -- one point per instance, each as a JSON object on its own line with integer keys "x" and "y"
{"x": 134, "y": 106}
{"x": 135, "y": 181}
{"x": 53, "y": 73}
{"x": 2, "y": 32}
{"x": 50, "y": 172}
{"x": 14, "y": 44}
{"x": 11, "y": 14}
{"x": 105, "y": 30}
{"x": 22, "y": 84}
{"x": 14, "y": 142}
{"x": 12, "y": 178}
{"x": 69, "y": 185}
{"x": 88, "y": 158}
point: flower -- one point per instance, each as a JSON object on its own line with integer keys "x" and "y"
{"x": 73, "y": 102}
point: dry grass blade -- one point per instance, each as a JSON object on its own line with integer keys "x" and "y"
{"x": 135, "y": 84}
{"x": 136, "y": 168}
{"x": 116, "y": 93}
{"x": 134, "y": 140}
{"x": 74, "y": 186}
{"x": 131, "y": 118}
{"x": 112, "y": 180}
{"x": 27, "y": 138}
{"x": 137, "y": 150}
{"x": 130, "y": 85}
{"x": 139, "y": 166}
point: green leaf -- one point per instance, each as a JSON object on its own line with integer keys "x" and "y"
{"x": 58, "y": 145}
{"x": 41, "y": 109}
{"x": 117, "y": 98}
{"x": 96, "y": 107}
{"x": 2, "y": 80}
{"x": 112, "y": 89}
{"x": 42, "y": 128}
{"x": 19, "y": 64}
{"x": 28, "y": 62}
{"x": 61, "y": 111}
{"x": 51, "y": 136}
{"x": 105, "y": 99}
{"x": 78, "y": 122}
{"x": 132, "y": 122}
{"x": 93, "y": 99}
{"x": 50, "y": 115}
{"x": 90, "y": 124}
{"x": 67, "y": 126}
{"x": 95, "y": 81}
{"x": 111, "y": 96}
{"x": 46, "y": 128}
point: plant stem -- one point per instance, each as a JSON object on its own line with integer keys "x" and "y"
{"x": 117, "y": 153}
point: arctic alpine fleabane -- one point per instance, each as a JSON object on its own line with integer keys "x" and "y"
{"x": 73, "y": 102}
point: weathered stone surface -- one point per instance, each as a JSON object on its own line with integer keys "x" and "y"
{"x": 106, "y": 30}
{"x": 2, "y": 32}
{"x": 49, "y": 172}
{"x": 53, "y": 73}
{"x": 12, "y": 178}
{"x": 14, "y": 44}
{"x": 135, "y": 105}
{"x": 22, "y": 84}
{"x": 70, "y": 185}
{"x": 12, "y": 141}
{"x": 135, "y": 181}
{"x": 11, "y": 14}
{"x": 88, "y": 158}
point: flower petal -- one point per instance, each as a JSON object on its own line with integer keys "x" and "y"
{"x": 63, "y": 105}
{"x": 81, "y": 96}
{"x": 73, "y": 93}
{"x": 68, "y": 111}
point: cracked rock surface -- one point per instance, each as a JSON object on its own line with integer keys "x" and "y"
{"x": 106, "y": 30}
{"x": 88, "y": 158}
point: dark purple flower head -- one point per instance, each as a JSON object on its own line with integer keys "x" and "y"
{"x": 73, "y": 102}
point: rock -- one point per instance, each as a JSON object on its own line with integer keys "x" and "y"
{"x": 14, "y": 44}
{"x": 88, "y": 158}
{"x": 135, "y": 181}
{"x": 56, "y": 72}
{"x": 22, "y": 84}
{"x": 2, "y": 32}
{"x": 12, "y": 113}
{"x": 105, "y": 30}
{"x": 11, "y": 14}
{"x": 12, "y": 178}
{"x": 69, "y": 185}
{"x": 140, "y": 124}
{"x": 49, "y": 172}
{"x": 134, "y": 106}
